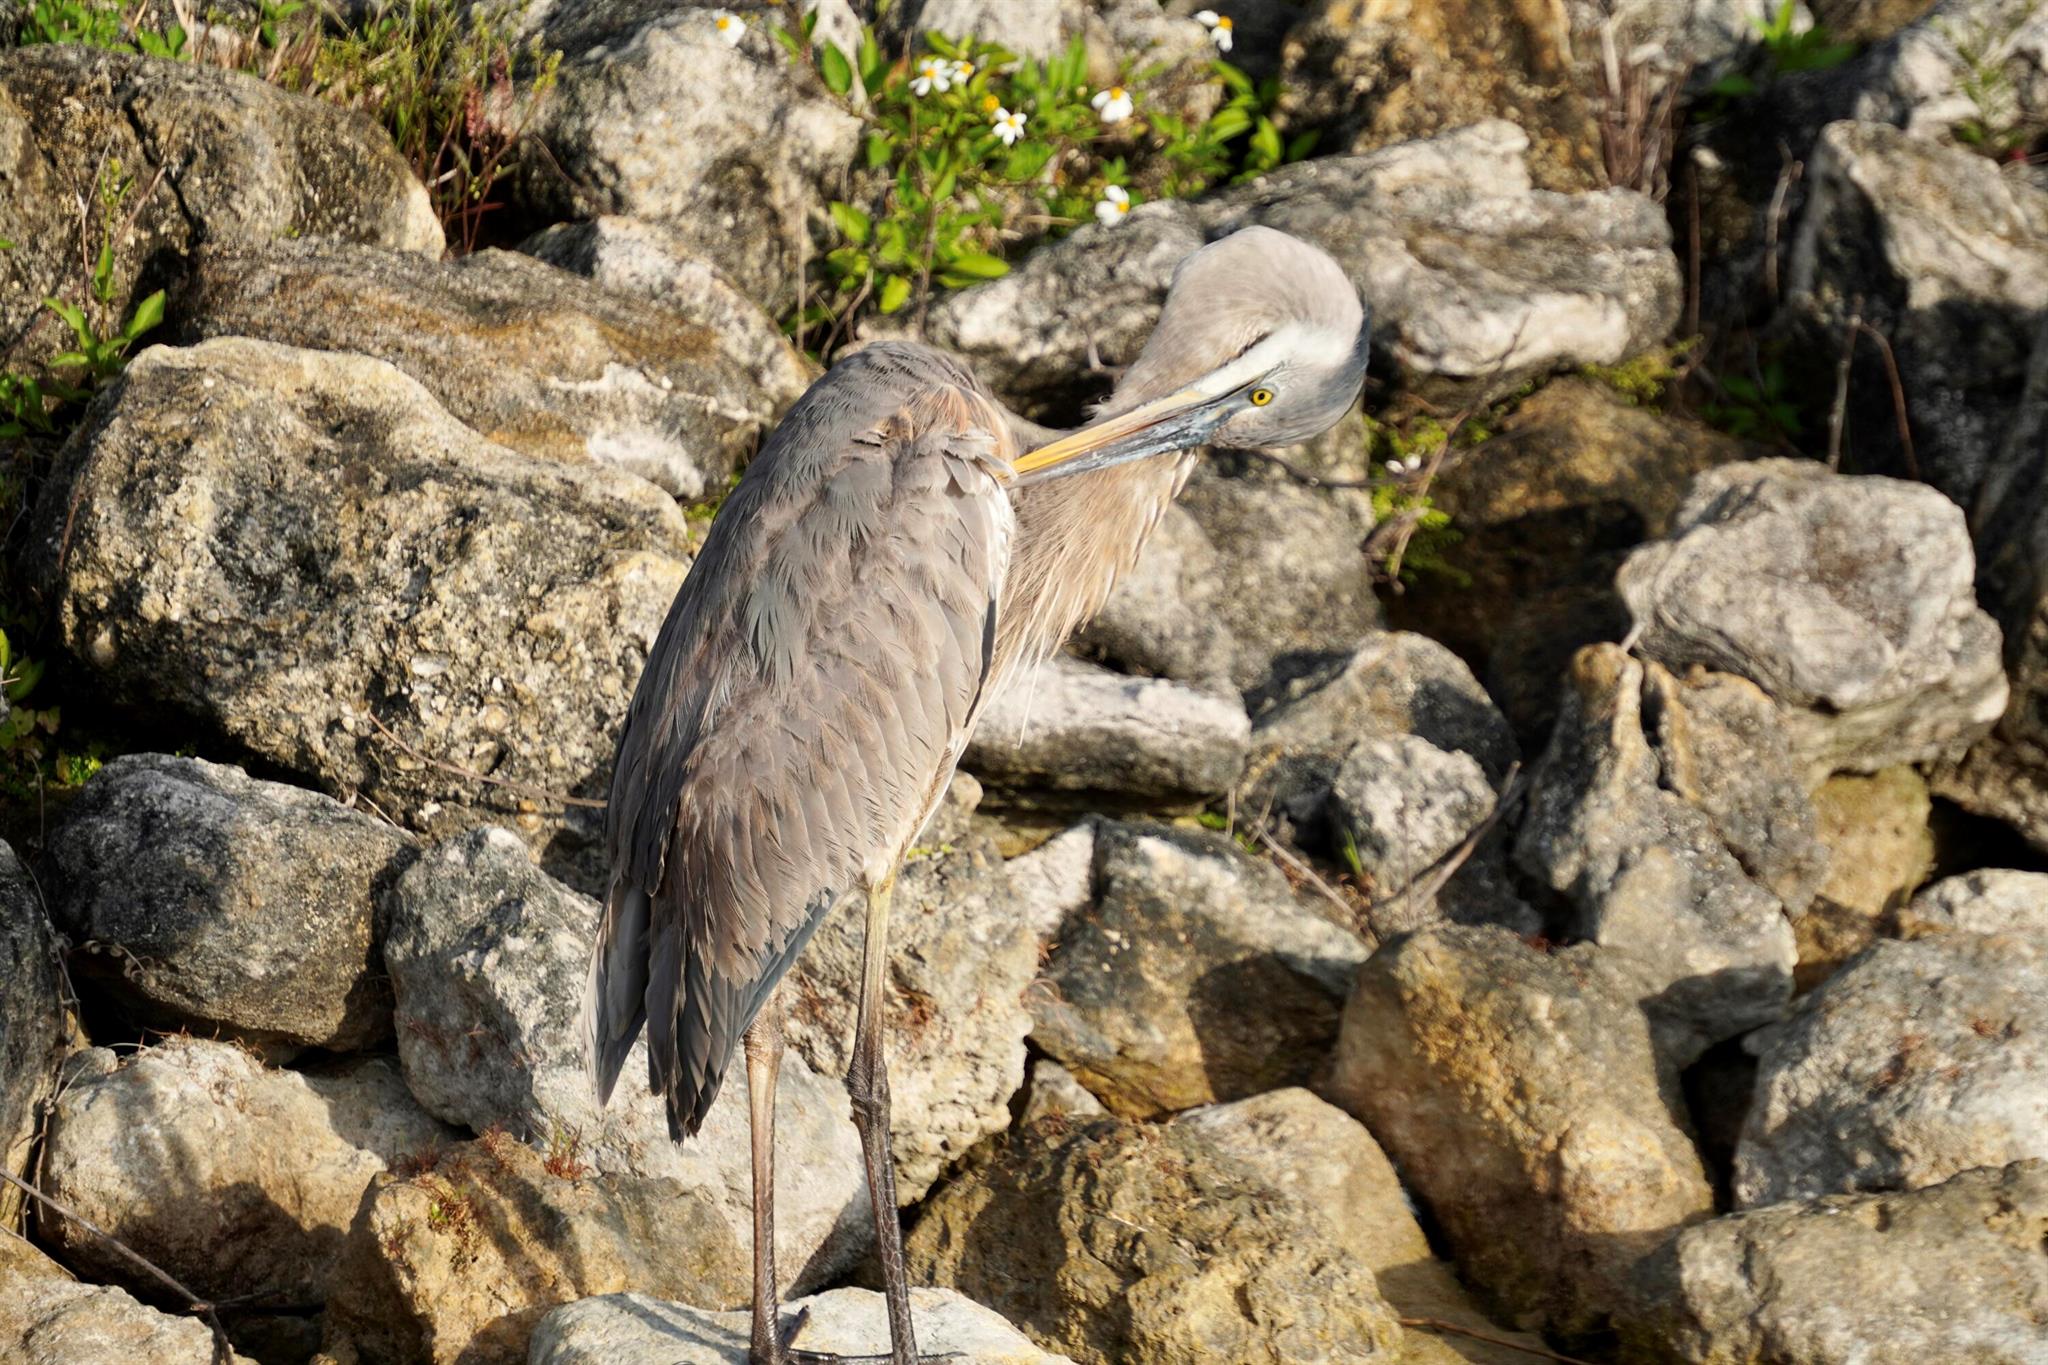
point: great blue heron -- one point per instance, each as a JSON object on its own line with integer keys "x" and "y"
{"x": 887, "y": 559}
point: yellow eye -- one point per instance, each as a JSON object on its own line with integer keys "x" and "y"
{"x": 1261, "y": 397}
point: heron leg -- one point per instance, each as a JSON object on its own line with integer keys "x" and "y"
{"x": 867, "y": 1082}
{"x": 770, "y": 1343}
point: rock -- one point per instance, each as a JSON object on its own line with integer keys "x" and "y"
{"x": 1867, "y": 21}
{"x": 1949, "y": 260}
{"x": 1667, "y": 34}
{"x": 854, "y": 1322}
{"x": 1520, "y": 1096}
{"x": 1163, "y": 619}
{"x": 234, "y": 1178}
{"x": 1294, "y": 585}
{"x": 679, "y": 390}
{"x": 207, "y": 900}
{"x": 1914, "y": 1062}
{"x": 488, "y": 957}
{"x": 1145, "y": 990}
{"x": 241, "y": 161}
{"x": 1950, "y": 1272}
{"x": 1880, "y": 850}
{"x": 655, "y": 116}
{"x": 306, "y": 552}
{"x": 1325, "y": 1161}
{"x": 1671, "y": 816}
{"x": 1056, "y": 1090}
{"x": 1473, "y": 277}
{"x": 1848, "y": 600}
{"x": 48, "y": 1318}
{"x": 1055, "y": 879}
{"x": 1142, "y": 1244}
{"x": 1963, "y": 61}
{"x": 460, "y": 1262}
{"x": 33, "y": 1025}
{"x": 1072, "y": 727}
{"x": 1993, "y": 901}
{"x": 961, "y": 959}
{"x": 1549, "y": 507}
{"x": 1373, "y": 74}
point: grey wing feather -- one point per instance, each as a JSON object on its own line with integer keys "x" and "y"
{"x": 801, "y": 709}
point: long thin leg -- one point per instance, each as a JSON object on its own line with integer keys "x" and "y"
{"x": 770, "y": 1344}
{"x": 867, "y": 1081}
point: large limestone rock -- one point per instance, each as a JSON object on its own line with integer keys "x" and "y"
{"x": 32, "y": 1019}
{"x": 1948, "y": 258}
{"x": 655, "y": 116}
{"x": 48, "y": 1318}
{"x": 241, "y": 161}
{"x": 1472, "y": 275}
{"x": 488, "y": 957}
{"x": 1137, "y": 1244}
{"x": 235, "y": 1179}
{"x": 214, "y": 902}
{"x": 1848, "y": 600}
{"x": 307, "y": 552}
{"x": 678, "y": 390}
{"x": 1322, "y": 1159}
{"x": 1524, "y": 1104}
{"x": 852, "y": 1322}
{"x": 1914, "y": 1062}
{"x": 1951, "y": 1272}
{"x": 1076, "y": 728}
{"x": 1671, "y": 815}
{"x": 457, "y": 1263}
{"x": 1992, "y": 901}
{"x": 1879, "y": 850}
{"x": 1145, "y": 991}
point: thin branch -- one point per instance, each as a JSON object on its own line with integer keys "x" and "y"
{"x": 1838, "y": 414}
{"x": 1452, "y": 1329}
{"x": 1891, "y": 373}
{"x": 1302, "y": 869}
{"x": 537, "y": 793}
{"x": 1787, "y": 178}
{"x": 222, "y": 1350}
{"x": 1433, "y": 880}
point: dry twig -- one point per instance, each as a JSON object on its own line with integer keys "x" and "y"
{"x": 1433, "y": 879}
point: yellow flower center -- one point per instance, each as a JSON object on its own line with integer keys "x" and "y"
{"x": 989, "y": 104}
{"x": 1223, "y": 22}
{"x": 724, "y": 22}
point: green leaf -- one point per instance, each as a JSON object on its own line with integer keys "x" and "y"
{"x": 147, "y": 315}
{"x": 1266, "y": 142}
{"x": 837, "y": 71}
{"x": 790, "y": 42}
{"x": 853, "y": 224}
{"x": 978, "y": 265}
{"x": 1733, "y": 86}
{"x": 1301, "y": 144}
{"x": 73, "y": 315}
{"x": 873, "y": 66}
{"x": 1234, "y": 79}
{"x": 880, "y": 147}
{"x": 895, "y": 293}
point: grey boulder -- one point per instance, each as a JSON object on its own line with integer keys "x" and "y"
{"x": 49, "y": 1318}
{"x": 1989, "y": 901}
{"x": 204, "y": 899}
{"x": 33, "y": 1018}
{"x": 1848, "y": 600}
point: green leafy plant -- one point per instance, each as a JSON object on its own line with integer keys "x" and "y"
{"x": 1757, "y": 409}
{"x": 1996, "y": 128}
{"x": 97, "y": 23}
{"x": 1782, "y": 50}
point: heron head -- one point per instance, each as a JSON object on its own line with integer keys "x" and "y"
{"x": 1262, "y": 342}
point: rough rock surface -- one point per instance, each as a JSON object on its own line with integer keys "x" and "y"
{"x": 32, "y": 1019}
{"x": 214, "y": 902}
{"x": 679, "y": 389}
{"x": 1951, "y": 1272}
{"x": 602, "y": 1331}
{"x": 1914, "y": 1062}
{"x": 488, "y": 957}
{"x": 457, "y": 1263}
{"x": 300, "y": 548}
{"x": 1524, "y": 1104}
{"x": 1879, "y": 850}
{"x": 1949, "y": 259}
{"x": 1164, "y": 616}
{"x": 1144, "y": 990}
{"x": 48, "y": 1318}
{"x": 1848, "y": 600}
{"x": 234, "y": 1178}
{"x": 655, "y": 116}
{"x": 1471, "y": 274}
{"x": 1993, "y": 901}
{"x": 1671, "y": 816}
{"x": 1322, "y": 1159}
{"x": 1073, "y": 727}
{"x": 242, "y": 162}
{"x": 1131, "y": 1244}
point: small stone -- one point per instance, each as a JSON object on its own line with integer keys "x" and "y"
{"x": 48, "y": 1318}
{"x": 1993, "y": 901}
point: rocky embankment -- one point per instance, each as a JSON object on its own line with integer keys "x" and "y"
{"x": 1624, "y": 935}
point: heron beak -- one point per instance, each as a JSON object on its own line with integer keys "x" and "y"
{"x": 1179, "y": 421}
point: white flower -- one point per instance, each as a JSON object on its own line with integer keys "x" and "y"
{"x": 1112, "y": 207}
{"x": 933, "y": 73}
{"x": 961, "y": 72}
{"x": 1401, "y": 469}
{"x": 1113, "y": 105}
{"x": 729, "y": 25}
{"x": 1009, "y": 127}
{"x": 1219, "y": 27}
